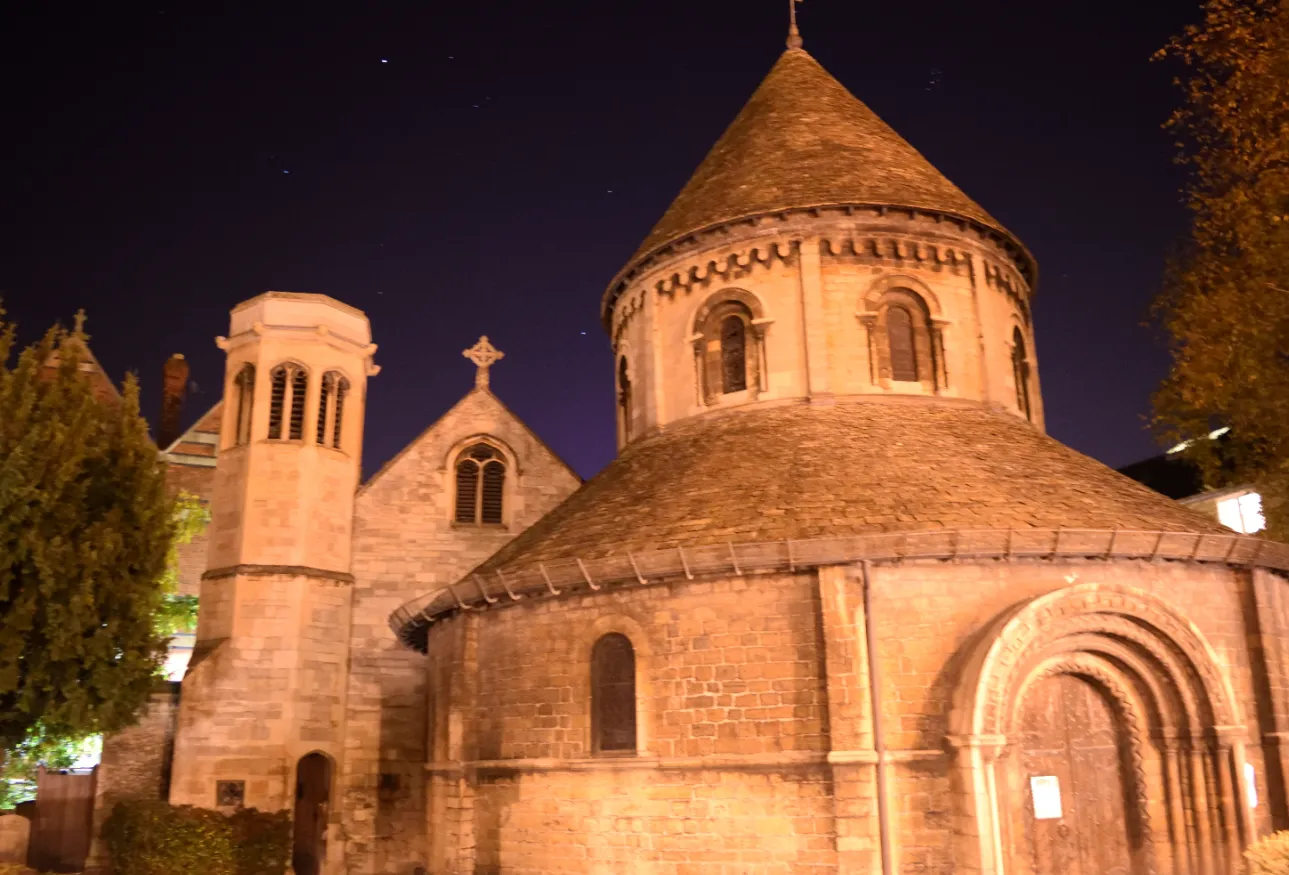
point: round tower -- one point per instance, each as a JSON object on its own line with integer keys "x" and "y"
{"x": 816, "y": 255}
{"x": 262, "y": 709}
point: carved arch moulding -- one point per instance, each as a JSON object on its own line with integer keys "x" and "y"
{"x": 1167, "y": 685}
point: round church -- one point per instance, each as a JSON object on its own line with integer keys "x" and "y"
{"x": 839, "y": 604}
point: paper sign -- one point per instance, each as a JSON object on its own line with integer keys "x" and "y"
{"x": 1250, "y": 781}
{"x": 1046, "y": 791}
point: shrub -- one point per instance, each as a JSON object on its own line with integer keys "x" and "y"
{"x": 150, "y": 837}
{"x": 261, "y": 841}
{"x": 1268, "y": 856}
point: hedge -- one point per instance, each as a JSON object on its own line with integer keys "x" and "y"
{"x": 150, "y": 837}
{"x": 1269, "y": 856}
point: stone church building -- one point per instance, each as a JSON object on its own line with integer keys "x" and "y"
{"x": 838, "y": 606}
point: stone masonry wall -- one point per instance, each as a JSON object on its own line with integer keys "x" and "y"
{"x": 405, "y": 544}
{"x": 755, "y": 749}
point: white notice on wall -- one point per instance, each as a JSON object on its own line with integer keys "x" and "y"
{"x": 1046, "y": 791}
{"x": 1251, "y": 781}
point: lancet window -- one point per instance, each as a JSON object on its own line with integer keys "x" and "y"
{"x": 1020, "y": 373}
{"x": 480, "y": 487}
{"x": 613, "y": 695}
{"x": 288, "y": 385}
{"x": 331, "y": 408}
{"x": 244, "y": 391}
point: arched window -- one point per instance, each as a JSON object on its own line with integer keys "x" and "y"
{"x": 244, "y": 389}
{"x": 902, "y": 342}
{"x": 733, "y": 354}
{"x": 624, "y": 397}
{"x": 481, "y": 485}
{"x": 331, "y": 407}
{"x": 729, "y": 347}
{"x": 613, "y": 695}
{"x": 1020, "y": 372}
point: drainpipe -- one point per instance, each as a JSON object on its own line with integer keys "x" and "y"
{"x": 879, "y": 741}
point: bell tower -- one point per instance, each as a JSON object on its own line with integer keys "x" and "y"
{"x": 265, "y": 689}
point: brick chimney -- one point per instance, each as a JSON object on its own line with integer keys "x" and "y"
{"x": 174, "y": 383}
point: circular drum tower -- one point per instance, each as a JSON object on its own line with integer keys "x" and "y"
{"x": 839, "y": 604}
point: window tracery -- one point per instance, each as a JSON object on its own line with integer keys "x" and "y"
{"x": 480, "y": 485}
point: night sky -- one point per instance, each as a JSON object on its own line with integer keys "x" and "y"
{"x": 485, "y": 167}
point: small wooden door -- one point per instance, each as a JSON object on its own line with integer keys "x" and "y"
{"x": 312, "y": 795}
{"x": 1075, "y": 745}
{"x": 60, "y": 831}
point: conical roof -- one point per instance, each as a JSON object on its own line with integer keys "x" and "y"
{"x": 804, "y": 141}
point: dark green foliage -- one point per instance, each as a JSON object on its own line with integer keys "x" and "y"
{"x": 85, "y": 527}
{"x": 261, "y": 841}
{"x": 150, "y": 837}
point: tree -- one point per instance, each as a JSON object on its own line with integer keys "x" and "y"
{"x": 1225, "y": 305}
{"x": 85, "y": 528}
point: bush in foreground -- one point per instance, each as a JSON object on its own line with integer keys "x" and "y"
{"x": 1268, "y": 856}
{"x": 150, "y": 837}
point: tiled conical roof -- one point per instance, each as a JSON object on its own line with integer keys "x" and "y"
{"x": 804, "y": 141}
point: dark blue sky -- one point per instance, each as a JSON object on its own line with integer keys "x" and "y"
{"x": 486, "y": 167}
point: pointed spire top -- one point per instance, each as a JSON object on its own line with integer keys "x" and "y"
{"x": 484, "y": 355}
{"x": 794, "y": 35}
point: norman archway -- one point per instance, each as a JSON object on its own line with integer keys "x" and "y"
{"x": 1147, "y": 738}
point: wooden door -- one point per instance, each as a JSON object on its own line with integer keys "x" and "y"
{"x": 60, "y": 830}
{"x": 312, "y": 795}
{"x": 1070, "y": 733}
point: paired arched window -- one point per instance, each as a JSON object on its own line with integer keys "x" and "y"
{"x": 288, "y": 385}
{"x": 481, "y": 482}
{"x": 331, "y": 408}
{"x": 244, "y": 392}
{"x": 613, "y": 695}
{"x": 624, "y": 397}
{"x": 728, "y": 350}
{"x": 1020, "y": 373}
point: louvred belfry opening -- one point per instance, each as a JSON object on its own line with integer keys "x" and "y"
{"x": 481, "y": 486}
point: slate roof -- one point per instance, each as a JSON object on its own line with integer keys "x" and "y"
{"x": 804, "y": 141}
{"x": 799, "y": 471}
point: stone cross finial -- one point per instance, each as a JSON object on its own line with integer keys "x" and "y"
{"x": 484, "y": 355}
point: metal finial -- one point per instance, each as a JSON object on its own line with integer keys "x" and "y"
{"x": 794, "y": 35}
{"x": 484, "y": 355}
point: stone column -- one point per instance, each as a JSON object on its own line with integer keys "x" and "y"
{"x": 814, "y": 333}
